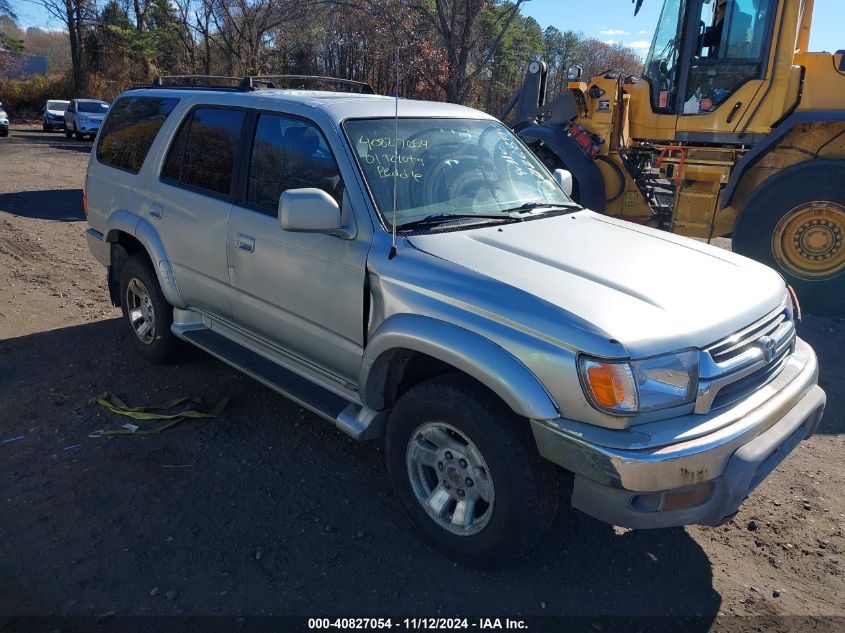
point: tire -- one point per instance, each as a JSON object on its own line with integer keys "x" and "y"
{"x": 76, "y": 133}
{"x": 68, "y": 133}
{"x": 140, "y": 291}
{"x": 514, "y": 491}
{"x": 46, "y": 128}
{"x": 795, "y": 223}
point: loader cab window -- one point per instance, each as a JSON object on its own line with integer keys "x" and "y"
{"x": 663, "y": 61}
{"x": 732, "y": 49}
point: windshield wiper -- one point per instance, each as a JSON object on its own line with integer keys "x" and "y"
{"x": 442, "y": 218}
{"x": 532, "y": 206}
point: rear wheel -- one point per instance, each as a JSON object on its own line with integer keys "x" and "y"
{"x": 796, "y": 224}
{"x": 467, "y": 471}
{"x": 146, "y": 311}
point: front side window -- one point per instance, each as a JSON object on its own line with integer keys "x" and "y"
{"x": 289, "y": 153}
{"x": 203, "y": 153}
{"x": 449, "y": 167}
{"x": 662, "y": 63}
{"x": 130, "y": 129}
{"x": 731, "y": 50}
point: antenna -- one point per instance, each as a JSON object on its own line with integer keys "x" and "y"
{"x": 395, "y": 155}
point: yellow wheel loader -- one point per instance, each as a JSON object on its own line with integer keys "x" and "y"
{"x": 733, "y": 129}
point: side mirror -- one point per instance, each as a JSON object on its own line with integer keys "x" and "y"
{"x": 564, "y": 180}
{"x": 309, "y": 211}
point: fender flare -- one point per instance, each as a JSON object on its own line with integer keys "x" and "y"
{"x": 584, "y": 170}
{"x": 125, "y": 222}
{"x": 759, "y": 150}
{"x": 484, "y": 360}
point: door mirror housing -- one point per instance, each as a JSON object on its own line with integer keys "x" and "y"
{"x": 309, "y": 211}
{"x": 564, "y": 180}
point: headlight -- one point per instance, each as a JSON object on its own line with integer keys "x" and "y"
{"x": 636, "y": 386}
{"x": 573, "y": 73}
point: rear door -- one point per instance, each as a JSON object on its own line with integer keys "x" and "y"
{"x": 303, "y": 292}
{"x": 193, "y": 202}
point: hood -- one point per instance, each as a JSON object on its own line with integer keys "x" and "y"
{"x": 650, "y": 290}
{"x": 56, "y": 112}
{"x": 96, "y": 116}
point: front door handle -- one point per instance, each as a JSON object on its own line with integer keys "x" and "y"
{"x": 245, "y": 242}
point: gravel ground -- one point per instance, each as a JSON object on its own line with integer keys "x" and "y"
{"x": 269, "y": 510}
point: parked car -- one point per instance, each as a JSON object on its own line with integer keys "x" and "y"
{"x": 423, "y": 280}
{"x": 4, "y": 122}
{"x": 83, "y": 117}
{"x": 53, "y": 115}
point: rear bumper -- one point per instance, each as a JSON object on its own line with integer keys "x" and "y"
{"x": 636, "y": 478}
{"x": 98, "y": 246}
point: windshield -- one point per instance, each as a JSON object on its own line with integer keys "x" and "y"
{"x": 661, "y": 64}
{"x": 57, "y": 105}
{"x": 449, "y": 167}
{"x": 96, "y": 107}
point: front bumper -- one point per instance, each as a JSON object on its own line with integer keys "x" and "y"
{"x": 690, "y": 469}
{"x": 88, "y": 128}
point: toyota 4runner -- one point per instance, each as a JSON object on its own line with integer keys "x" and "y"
{"x": 409, "y": 271}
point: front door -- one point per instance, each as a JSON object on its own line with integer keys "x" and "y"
{"x": 303, "y": 292}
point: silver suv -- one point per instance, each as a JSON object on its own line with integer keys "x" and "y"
{"x": 410, "y": 272}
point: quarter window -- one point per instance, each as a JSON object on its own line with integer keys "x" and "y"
{"x": 289, "y": 153}
{"x": 130, "y": 129}
{"x": 203, "y": 153}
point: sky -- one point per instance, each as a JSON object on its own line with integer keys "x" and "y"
{"x": 609, "y": 20}
{"x": 613, "y": 21}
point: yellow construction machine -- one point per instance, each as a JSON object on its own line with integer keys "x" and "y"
{"x": 733, "y": 129}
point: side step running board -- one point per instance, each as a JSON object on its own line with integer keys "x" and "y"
{"x": 359, "y": 422}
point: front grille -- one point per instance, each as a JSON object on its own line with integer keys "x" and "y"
{"x": 738, "y": 365}
{"x": 740, "y": 342}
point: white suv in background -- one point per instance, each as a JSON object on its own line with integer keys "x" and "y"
{"x": 83, "y": 117}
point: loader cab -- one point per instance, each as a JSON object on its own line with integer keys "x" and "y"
{"x": 704, "y": 51}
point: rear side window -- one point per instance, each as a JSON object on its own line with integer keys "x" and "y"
{"x": 130, "y": 129}
{"x": 203, "y": 153}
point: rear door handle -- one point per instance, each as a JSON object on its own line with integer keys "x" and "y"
{"x": 245, "y": 242}
{"x": 155, "y": 210}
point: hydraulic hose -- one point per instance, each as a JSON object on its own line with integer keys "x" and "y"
{"x": 619, "y": 174}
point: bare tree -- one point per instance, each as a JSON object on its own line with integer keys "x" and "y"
{"x": 457, "y": 23}
{"x": 72, "y": 14}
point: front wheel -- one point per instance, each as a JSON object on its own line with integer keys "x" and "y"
{"x": 146, "y": 311}
{"x": 76, "y": 133}
{"x": 796, "y": 224}
{"x": 467, "y": 472}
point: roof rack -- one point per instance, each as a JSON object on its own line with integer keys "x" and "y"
{"x": 198, "y": 82}
{"x": 249, "y": 83}
{"x": 305, "y": 82}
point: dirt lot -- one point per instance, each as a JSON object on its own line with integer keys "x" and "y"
{"x": 269, "y": 510}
